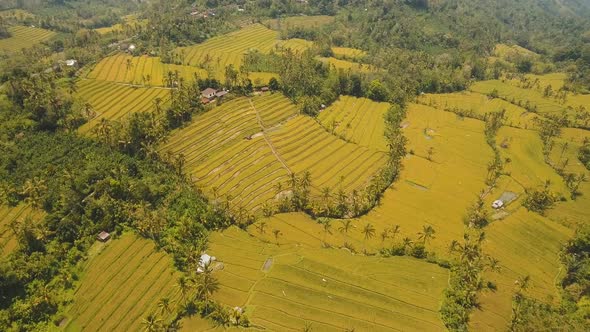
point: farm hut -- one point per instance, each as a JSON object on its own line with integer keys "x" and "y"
{"x": 204, "y": 101}
{"x": 208, "y": 93}
{"x": 205, "y": 261}
{"x": 71, "y": 62}
{"x": 103, "y": 236}
{"x": 497, "y": 204}
{"x": 131, "y": 48}
{"x": 264, "y": 89}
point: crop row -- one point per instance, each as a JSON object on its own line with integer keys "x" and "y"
{"x": 24, "y": 37}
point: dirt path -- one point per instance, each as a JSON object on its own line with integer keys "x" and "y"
{"x": 272, "y": 148}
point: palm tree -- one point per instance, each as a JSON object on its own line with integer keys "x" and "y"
{"x": 207, "y": 284}
{"x": 368, "y": 231}
{"x": 261, "y": 226}
{"x": 183, "y": 286}
{"x": 407, "y": 242}
{"x": 327, "y": 225}
{"x": 151, "y": 323}
{"x": 384, "y": 235}
{"x": 346, "y": 224}
{"x": 394, "y": 231}
{"x": 165, "y": 305}
{"x": 426, "y": 234}
{"x": 277, "y": 233}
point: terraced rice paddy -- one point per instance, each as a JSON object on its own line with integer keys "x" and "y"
{"x": 358, "y": 120}
{"x": 525, "y": 244}
{"x": 332, "y": 162}
{"x": 122, "y": 285}
{"x": 24, "y": 37}
{"x": 227, "y": 153}
{"x": 347, "y": 65}
{"x": 219, "y": 156}
{"x": 301, "y": 285}
{"x": 217, "y": 53}
{"x": 9, "y": 215}
{"x": 129, "y": 20}
{"x": 141, "y": 70}
{"x": 436, "y": 192}
{"x": 112, "y": 101}
{"x": 479, "y": 105}
{"x": 295, "y": 44}
{"x": 348, "y": 53}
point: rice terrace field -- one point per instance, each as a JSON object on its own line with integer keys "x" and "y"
{"x": 24, "y": 37}
{"x": 284, "y": 287}
{"x": 121, "y": 284}
{"x": 357, "y": 171}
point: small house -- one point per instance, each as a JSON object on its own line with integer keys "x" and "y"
{"x": 264, "y": 89}
{"x": 71, "y": 62}
{"x": 131, "y": 48}
{"x": 103, "y": 236}
{"x": 208, "y": 93}
{"x": 204, "y": 262}
{"x": 497, "y": 204}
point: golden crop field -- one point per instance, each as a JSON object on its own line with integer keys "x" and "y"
{"x": 227, "y": 152}
{"x": 9, "y": 215}
{"x": 121, "y": 285}
{"x": 113, "y": 101}
{"x": 348, "y": 53}
{"x": 358, "y": 120}
{"x": 299, "y": 22}
{"x": 347, "y": 65}
{"x": 141, "y": 70}
{"x": 332, "y": 162}
{"x": 130, "y": 20}
{"x": 284, "y": 287}
{"x": 221, "y": 159}
{"x": 295, "y": 44}
{"x": 24, "y": 37}
{"x": 525, "y": 243}
{"x": 216, "y": 53}
{"x": 479, "y": 105}
{"x": 510, "y": 51}
{"x": 434, "y": 192}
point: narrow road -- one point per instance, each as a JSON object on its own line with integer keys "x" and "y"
{"x": 272, "y": 148}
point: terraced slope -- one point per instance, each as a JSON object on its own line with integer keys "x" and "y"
{"x": 358, "y": 120}
{"x": 228, "y": 155}
{"x": 283, "y": 288}
{"x": 221, "y": 159}
{"x": 122, "y": 285}
{"x": 8, "y": 215}
{"x": 24, "y": 37}
{"x": 480, "y": 105}
{"x": 332, "y": 162}
{"x": 112, "y": 101}
{"x": 348, "y": 53}
{"x": 347, "y": 65}
{"x": 142, "y": 70}
{"x": 525, "y": 244}
{"x": 218, "y": 52}
{"x": 433, "y": 192}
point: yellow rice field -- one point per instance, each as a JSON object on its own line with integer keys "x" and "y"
{"x": 9, "y": 215}
{"x": 24, "y": 37}
{"x": 122, "y": 285}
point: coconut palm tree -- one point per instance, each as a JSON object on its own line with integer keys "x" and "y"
{"x": 277, "y": 233}
{"x": 261, "y": 227}
{"x": 152, "y": 323}
{"x": 327, "y": 226}
{"x": 345, "y": 227}
{"x": 384, "y": 235}
{"x": 407, "y": 242}
{"x": 207, "y": 284}
{"x": 426, "y": 234}
{"x": 368, "y": 231}
{"x": 184, "y": 287}
{"x": 394, "y": 231}
{"x": 165, "y": 305}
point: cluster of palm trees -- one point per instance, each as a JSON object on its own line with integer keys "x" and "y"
{"x": 466, "y": 279}
{"x": 195, "y": 292}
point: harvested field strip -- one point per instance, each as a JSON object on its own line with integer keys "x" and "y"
{"x": 8, "y": 215}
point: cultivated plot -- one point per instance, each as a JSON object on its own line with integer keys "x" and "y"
{"x": 122, "y": 285}
{"x": 358, "y": 120}
{"x": 113, "y": 101}
{"x": 347, "y": 65}
{"x": 24, "y": 37}
{"x": 142, "y": 70}
{"x": 285, "y": 288}
{"x": 12, "y": 216}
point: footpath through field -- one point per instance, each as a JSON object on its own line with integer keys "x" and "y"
{"x": 272, "y": 148}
